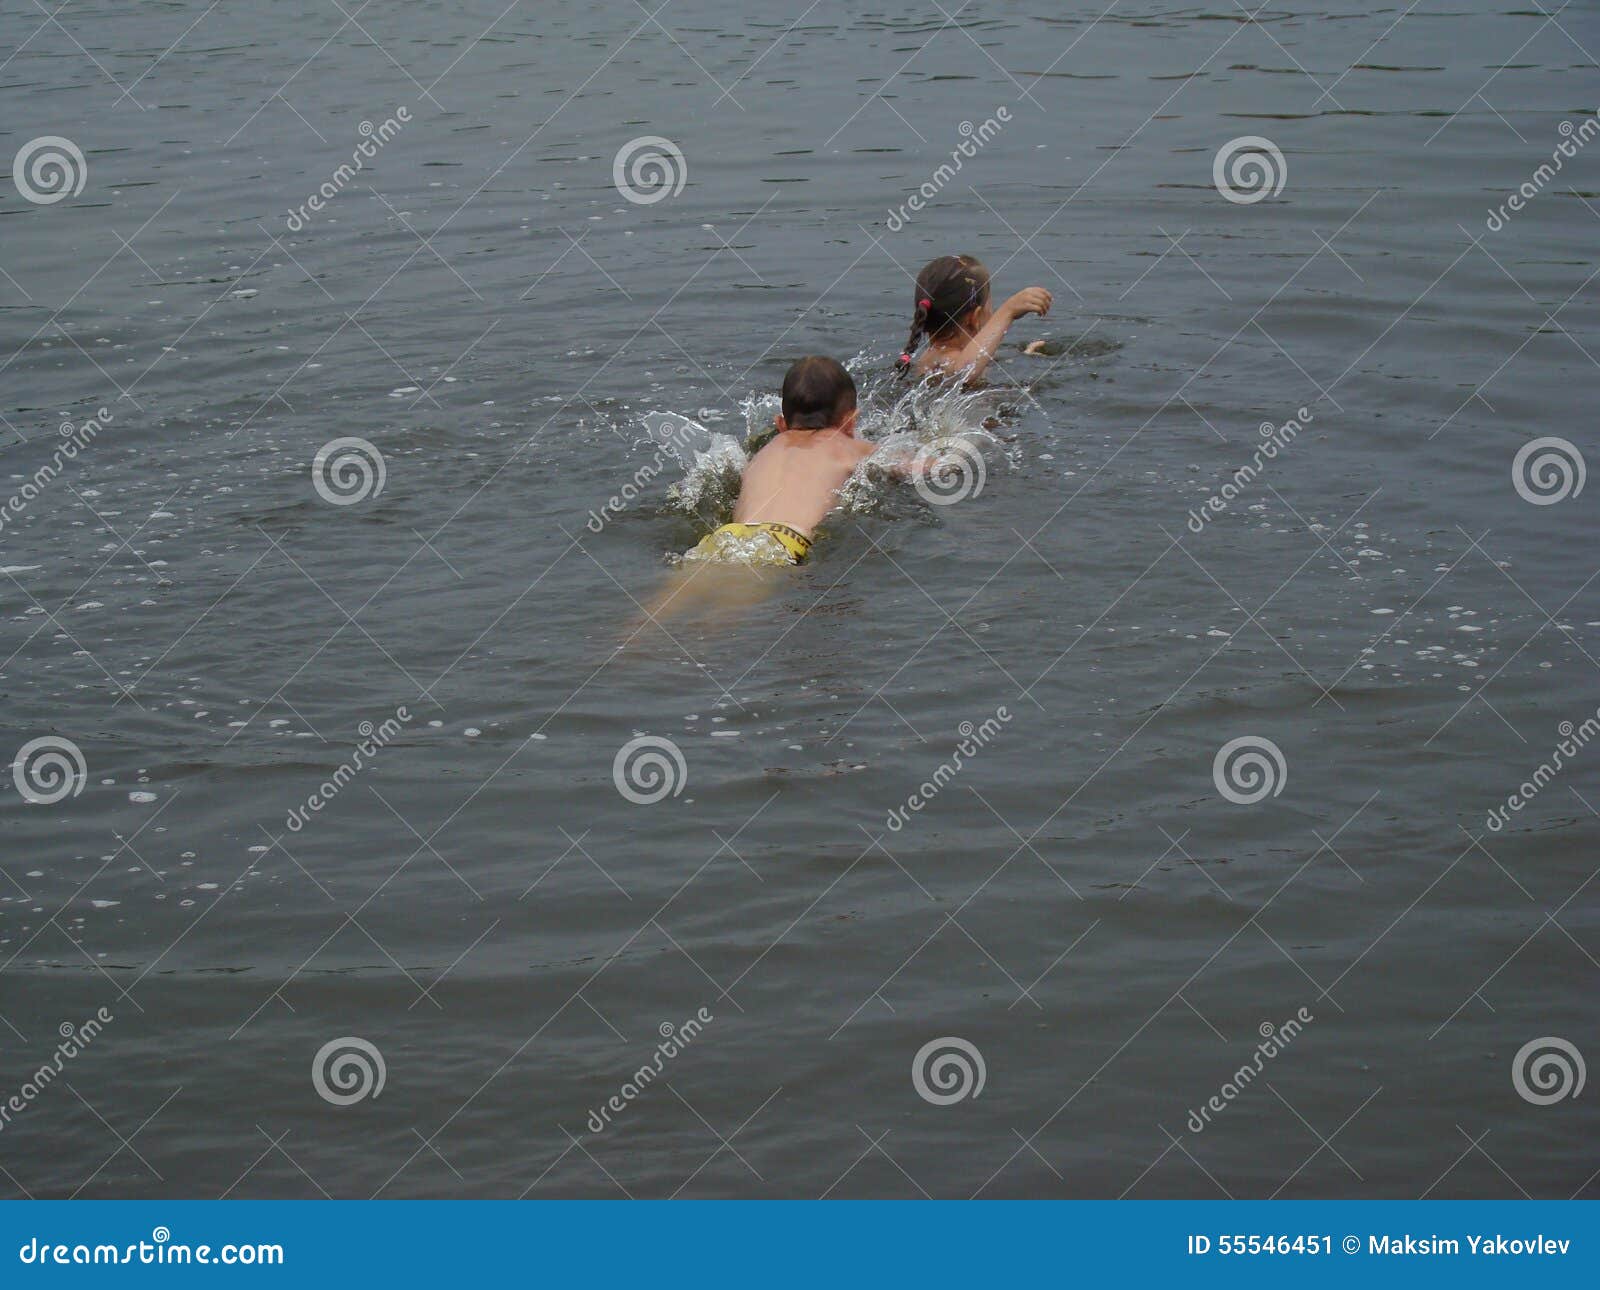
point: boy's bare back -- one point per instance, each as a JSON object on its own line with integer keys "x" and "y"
{"x": 795, "y": 479}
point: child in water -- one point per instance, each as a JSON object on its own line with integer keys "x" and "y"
{"x": 952, "y": 310}
{"x": 794, "y": 480}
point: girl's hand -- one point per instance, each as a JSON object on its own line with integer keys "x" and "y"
{"x": 1030, "y": 300}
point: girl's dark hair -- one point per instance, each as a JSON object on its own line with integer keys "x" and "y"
{"x": 948, "y": 289}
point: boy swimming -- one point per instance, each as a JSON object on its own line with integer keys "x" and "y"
{"x": 951, "y": 309}
{"x": 794, "y": 480}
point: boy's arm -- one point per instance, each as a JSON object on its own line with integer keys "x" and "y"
{"x": 897, "y": 463}
{"x": 980, "y": 350}
{"x": 907, "y": 463}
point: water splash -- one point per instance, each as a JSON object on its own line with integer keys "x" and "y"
{"x": 901, "y": 419}
{"x": 710, "y": 487}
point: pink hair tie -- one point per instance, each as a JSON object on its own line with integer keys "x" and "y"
{"x": 924, "y": 304}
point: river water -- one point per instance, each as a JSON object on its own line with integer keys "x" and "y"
{"x": 942, "y": 893}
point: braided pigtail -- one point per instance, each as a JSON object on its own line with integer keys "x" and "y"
{"x": 947, "y": 290}
{"x": 919, "y": 326}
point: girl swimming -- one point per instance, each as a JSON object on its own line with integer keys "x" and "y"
{"x": 951, "y": 309}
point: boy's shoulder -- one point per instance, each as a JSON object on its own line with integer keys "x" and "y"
{"x": 846, "y": 448}
{"x": 759, "y": 439}
{"x": 842, "y": 449}
{"x": 771, "y": 444}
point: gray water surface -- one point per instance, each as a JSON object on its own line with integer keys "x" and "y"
{"x": 1079, "y": 903}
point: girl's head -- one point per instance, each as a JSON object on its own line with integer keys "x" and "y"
{"x": 952, "y": 298}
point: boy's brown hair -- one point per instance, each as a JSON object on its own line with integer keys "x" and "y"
{"x": 817, "y": 393}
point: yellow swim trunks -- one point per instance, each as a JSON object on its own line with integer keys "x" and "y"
{"x": 752, "y": 544}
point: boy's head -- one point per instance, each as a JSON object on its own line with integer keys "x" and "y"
{"x": 818, "y": 394}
